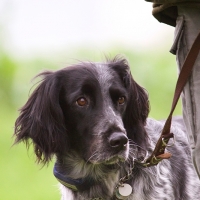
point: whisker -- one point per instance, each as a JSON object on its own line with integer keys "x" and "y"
{"x": 93, "y": 155}
{"x": 131, "y": 143}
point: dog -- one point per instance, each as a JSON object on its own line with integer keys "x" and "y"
{"x": 92, "y": 117}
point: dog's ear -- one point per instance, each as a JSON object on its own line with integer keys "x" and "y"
{"x": 136, "y": 114}
{"x": 41, "y": 119}
{"x": 120, "y": 65}
{"x": 138, "y": 103}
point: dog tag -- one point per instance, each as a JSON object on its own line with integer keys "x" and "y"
{"x": 123, "y": 191}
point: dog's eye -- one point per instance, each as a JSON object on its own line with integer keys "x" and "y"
{"x": 82, "y": 101}
{"x": 121, "y": 100}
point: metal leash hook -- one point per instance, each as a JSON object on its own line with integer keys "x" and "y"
{"x": 164, "y": 141}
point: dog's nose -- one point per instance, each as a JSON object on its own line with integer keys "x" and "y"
{"x": 118, "y": 140}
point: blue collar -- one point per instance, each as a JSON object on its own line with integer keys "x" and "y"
{"x": 80, "y": 184}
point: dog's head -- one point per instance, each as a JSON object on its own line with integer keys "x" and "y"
{"x": 94, "y": 109}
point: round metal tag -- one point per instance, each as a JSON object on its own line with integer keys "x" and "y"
{"x": 123, "y": 191}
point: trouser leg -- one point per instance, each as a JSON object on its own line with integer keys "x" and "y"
{"x": 191, "y": 93}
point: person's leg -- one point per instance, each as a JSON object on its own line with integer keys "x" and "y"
{"x": 191, "y": 94}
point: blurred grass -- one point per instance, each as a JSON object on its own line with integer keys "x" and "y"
{"x": 20, "y": 177}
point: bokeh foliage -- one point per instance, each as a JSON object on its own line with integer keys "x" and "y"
{"x": 20, "y": 177}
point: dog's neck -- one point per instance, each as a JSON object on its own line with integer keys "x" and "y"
{"x": 98, "y": 180}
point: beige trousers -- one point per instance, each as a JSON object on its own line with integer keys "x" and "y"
{"x": 187, "y": 28}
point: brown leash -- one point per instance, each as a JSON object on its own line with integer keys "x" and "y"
{"x": 159, "y": 151}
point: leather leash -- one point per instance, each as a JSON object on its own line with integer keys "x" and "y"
{"x": 159, "y": 153}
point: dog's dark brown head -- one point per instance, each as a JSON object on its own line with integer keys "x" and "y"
{"x": 94, "y": 109}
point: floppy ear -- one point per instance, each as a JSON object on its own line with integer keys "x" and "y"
{"x": 138, "y": 103}
{"x": 41, "y": 119}
{"x": 136, "y": 114}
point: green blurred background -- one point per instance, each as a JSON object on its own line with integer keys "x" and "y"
{"x": 152, "y": 66}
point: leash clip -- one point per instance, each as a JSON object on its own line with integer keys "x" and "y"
{"x": 165, "y": 141}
